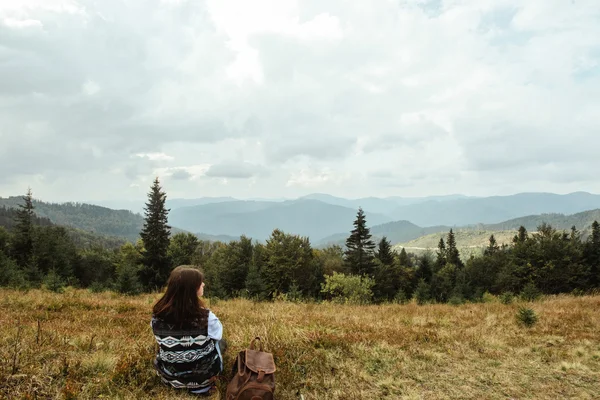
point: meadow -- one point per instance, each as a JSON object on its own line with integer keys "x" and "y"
{"x": 87, "y": 345}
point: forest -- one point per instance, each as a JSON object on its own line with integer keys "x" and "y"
{"x": 37, "y": 253}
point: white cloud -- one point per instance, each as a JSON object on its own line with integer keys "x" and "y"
{"x": 22, "y": 23}
{"x": 315, "y": 178}
{"x": 155, "y": 156}
{"x": 90, "y": 88}
{"x": 475, "y": 96}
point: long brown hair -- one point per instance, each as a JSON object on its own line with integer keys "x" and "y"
{"x": 180, "y": 302}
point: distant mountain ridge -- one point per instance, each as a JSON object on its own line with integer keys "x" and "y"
{"x": 489, "y": 210}
{"x": 582, "y": 221}
{"x": 257, "y": 220}
{"x": 328, "y": 219}
{"x": 87, "y": 217}
{"x": 404, "y": 231}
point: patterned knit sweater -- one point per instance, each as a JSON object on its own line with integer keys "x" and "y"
{"x": 188, "y": 356}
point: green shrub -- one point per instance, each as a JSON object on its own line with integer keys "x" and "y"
{"x": 11, "y": 275}
{"x": 456, "y": 300}
{"x": 488, "y": 297}
{"x": 422, "y": 293}
{"x": 294, "y": 293}
{"x": 127, "y": 280}
{"x": 54, "y": 282}
{"x": 507, "y": 297}
{"x": 98, "y": 287}
{"x": 530, "y": 292}
{"x": 351, "y": 289}
{"x": 400, "y": 297}
{"x": 526, "y": 317}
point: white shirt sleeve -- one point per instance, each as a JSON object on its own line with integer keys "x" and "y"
{"x": 215, "y": 328}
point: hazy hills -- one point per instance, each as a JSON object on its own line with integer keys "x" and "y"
{"x": 489, "y": 210}
{"x": 258, "y": 219}
{"x": 472, "y": 239}
{"x": 328, "y": 219}
{"x": 582, "y": 221}
{"x": 87, "y": 217}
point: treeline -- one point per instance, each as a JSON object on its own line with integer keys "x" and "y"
{"x": 8, "y": 218}
{"x": 287, "y": 266}
{"x": 86, "y": 217}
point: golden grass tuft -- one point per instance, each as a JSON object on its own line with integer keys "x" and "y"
{"x": 92, "y": 346}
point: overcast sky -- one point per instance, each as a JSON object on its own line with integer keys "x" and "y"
{"x": 282, "y": 98}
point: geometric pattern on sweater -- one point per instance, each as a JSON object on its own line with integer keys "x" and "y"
{"x": 185, "y": 341}
{"x": 190, "y": 385}
{"x": 185, "y": 356}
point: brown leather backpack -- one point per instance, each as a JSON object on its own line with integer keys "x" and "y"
{"x": 254, "y": 375}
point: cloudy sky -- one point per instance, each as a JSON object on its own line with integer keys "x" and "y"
{"x": 280, "y": 98}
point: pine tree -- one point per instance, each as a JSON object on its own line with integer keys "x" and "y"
{"x": 575, "y": 235}
{"x": 492, "y": 247}
{"x": 156, "y": 238}
{"x": 422, "y": 292}
{"x": 440, "y": 260}
{"x": 22, "y": 244}
{"x": 359, "y": 247}
{"x": 384, "y": 252}
{"x": 385, "y": 281}
{"x": 254, "y": 284}
{"x": 592, "y": 254}
{"x": 452, "y": 254}
{"x": 404, "y": 259}
{"x": 521, "y": 237}
{"x": 595, "y": 236}
{"x": 424, "y": 269}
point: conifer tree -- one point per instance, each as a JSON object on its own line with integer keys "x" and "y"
{"x": 440, "y": 260}
{"x": 384, "y": 252}
{"x": 521, "y": 237}
{"x": 592, "y": 254}
{"x": 238, "y": 258}
{"x": 254, "y": 284}
{"x": 452, "y": 254}
{"x": 404, "y": 259}
{"x": 359, "y": 247}
{"x": 492, "y": 247}
{"x": 424, "y": 268}
{"x": 595, "y": 236}
{"x": 422, "y": 292}
{"x": 22, "y": 244}
{"x": 156, "y": 238}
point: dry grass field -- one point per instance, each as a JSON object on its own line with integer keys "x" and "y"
{"x": 90, "y": 346}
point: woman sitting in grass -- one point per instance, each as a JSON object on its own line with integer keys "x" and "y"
{"x": 188, "y": 334}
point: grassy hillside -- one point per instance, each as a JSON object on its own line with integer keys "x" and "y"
{"x": 401, "y": 232}
{"x": 395, "y": 232}
{"x": 92, "y": 346}
{"x": 468, "y": 241}
{"x": 582, "y": 221}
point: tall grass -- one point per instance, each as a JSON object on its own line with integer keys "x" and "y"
{"x": 99, "y": 345}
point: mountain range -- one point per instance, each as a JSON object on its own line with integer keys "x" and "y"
{"x": 328, "y": 219}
